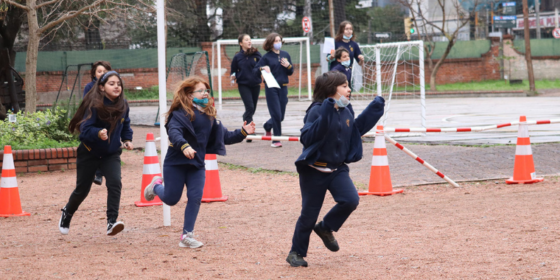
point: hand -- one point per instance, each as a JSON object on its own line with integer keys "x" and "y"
{"x": 103, "y": 134}
{"x": 232, "y": 77}
{"x": 361, "y": 58}
{"x": 128, "y": 145}
{"x": 266, "y": 68}
{"x": 284, "y": 62}
{"x": 249, "y": 128}
{"x": 189, "y": 152}
{"x": 332, "y": 53}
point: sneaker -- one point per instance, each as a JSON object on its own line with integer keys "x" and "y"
{"x": 149, "y": 193}
{"x": 114, "y": 228}
{"x": 267, "y": 132}
{"x": 98, "y": 180}
{"x": 188, "y": 241}
{"x": 295, "y": 259}
{"x": 249, "y": 140}
{"x": 327, "y": 236}
{"x": 276, "y": 145}
{"x": 64, "y": 222}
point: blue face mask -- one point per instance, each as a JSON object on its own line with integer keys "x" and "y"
{"x": 342, "y": 102}
{"x": 200, "y": 102}
{"x": 347, "y": 38}
{"x": 277, "y": 46}
{"x": 345, "y": 63}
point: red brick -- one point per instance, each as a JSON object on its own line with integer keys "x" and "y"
{"x": 58, "y": 167}
{"x": 37, "y": 162}
{"x": 58, "y": 161}
{"x": 72, "y": 160}
{"x": 71, "y": 166}
{"x": 21, "y": 169}
{"x": 20, "y": 163}
{"x": 38, "y": 168}
{"x": 65, "y": 152}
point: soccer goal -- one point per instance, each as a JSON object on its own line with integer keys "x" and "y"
{"x": 224, "y": 50}
{"x": 394, "y": 71}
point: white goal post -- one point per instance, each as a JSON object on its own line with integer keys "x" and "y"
{"x": 393, "y": 71}
{"x": 216, "y": 52}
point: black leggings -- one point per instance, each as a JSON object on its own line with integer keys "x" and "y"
{"x": 250, "y": 97}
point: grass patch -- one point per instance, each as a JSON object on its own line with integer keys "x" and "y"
{"x": 493, "y": 85}
{"x": 230, "y": 166}
{"x": 153, "y": 93}
{"x": 48, "y": 143}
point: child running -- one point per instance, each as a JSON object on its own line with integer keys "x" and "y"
{"x": 331, "y": 138}
{"x": 193, "y": 132}
{"x": 103, "y": 122}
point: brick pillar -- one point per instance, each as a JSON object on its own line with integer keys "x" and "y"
{"x": 224, "y": 73}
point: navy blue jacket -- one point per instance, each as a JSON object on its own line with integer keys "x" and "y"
{"x": 242, "y": 65}
{"x": 89, "y": 133}
{"x": 345, "y": 71}
{"x": 272, "y": 60}
{"x": 352, "y": 47}
{"x": 181, "y": 134}
{"x": 323, "y": 123}
{"x": 89, "y": 86}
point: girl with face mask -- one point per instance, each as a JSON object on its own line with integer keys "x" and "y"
{"x": 279, "y": 63}
{"x": 345, "y": 38}
{"x": 342, "y": 56}
{"x": 193, "y": 132}
{"x": 331, "y": 139}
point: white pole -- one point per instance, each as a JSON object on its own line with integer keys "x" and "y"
{"x": 556, "y": 17}
{"x": 378, "y": 70}
{"x": 162, "y": 96}
{"x": 422, "y": 85}
{"x": 392, "y": 83}
{"x": 300, "y": 60}
{"x": 219, "y": 73}
{"x": 308, "y": 68}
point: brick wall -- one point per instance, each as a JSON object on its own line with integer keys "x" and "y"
{"x": 43, "y": 159}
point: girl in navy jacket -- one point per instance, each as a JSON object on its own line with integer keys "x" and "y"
{"x": 331, "y": 139}
{"x": 193, "y": 131}
{"x": 98, "y": 69}
{"x": 278, "y": 63}
{"x": 342, "y": 56}
{"x": 103, "y": 122}
{"x": 249, "y": 85}
{"x": 345, "y": 38}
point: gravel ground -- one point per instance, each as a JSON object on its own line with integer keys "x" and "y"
{"x": 483, "y": 230}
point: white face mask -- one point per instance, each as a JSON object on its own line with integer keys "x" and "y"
{"x": 342, "y": 101}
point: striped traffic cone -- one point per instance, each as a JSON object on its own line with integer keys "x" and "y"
{"x": 151, "y": 169}
{"x": 380, "y": 176}
{"x": 212, "y": 187}
{"x": 524, "y": 168}
{"x": 10, "y": 205}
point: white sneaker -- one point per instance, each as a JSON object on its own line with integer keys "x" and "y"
{"x": 149, "y": 193}
{"x": 188, "y": 241}
{"x": 114, "y": 228}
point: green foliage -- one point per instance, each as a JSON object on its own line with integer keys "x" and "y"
{"x": 48, "y": 129}
{"x": 387, "y": 19}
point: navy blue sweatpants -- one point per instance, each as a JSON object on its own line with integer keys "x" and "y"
{"x": 314, "y": 185}
{"x": 175, "y": 177}
{"x": 276, "y": 100}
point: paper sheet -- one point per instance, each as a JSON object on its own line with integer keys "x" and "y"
{"x": 269, "y": 79}
{"x": 328, "y": 45}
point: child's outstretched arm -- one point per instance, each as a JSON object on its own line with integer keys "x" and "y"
{"x": 369, "y": 117}
{"x": 175, "y": 132}
{"x": 236, "y": 136}
{"x": 317, "y": 122}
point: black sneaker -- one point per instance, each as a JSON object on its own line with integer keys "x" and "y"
{"x": 327, "y": 236}
{"x": 114, "y": 228}
{"x": 249, "y": 140}
{"x": 98, "y": 180}
{"x": 64, "y": 222}
{"x": 295, "y": 260}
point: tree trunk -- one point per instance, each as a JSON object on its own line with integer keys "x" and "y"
{"x": 438, "y": 64}
{"x": 31, "y": 59}
{"x": 307, "y": 13}
{"x": 528, "y": 57}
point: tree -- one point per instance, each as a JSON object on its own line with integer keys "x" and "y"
{"x": 450, "y": 12}
{"x": 45, "y": 17}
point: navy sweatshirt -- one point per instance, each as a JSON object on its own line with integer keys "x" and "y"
{"x": 345, "y": 71}
{"x": 89, "y": 133}
{"x": 331, "y": 137}
{"x": 203, "y": 134}
{"x": 242, "y": 65}
{"x": 272, "y": 60}
{"x": 352, "y": 47}
{"x": 89, "y": 86}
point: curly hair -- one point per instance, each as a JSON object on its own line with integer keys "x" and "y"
{"x": 182, "y": 98}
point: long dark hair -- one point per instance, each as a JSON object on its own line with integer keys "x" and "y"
{"x": 326, "y": 84}
{"x": 251, "y": 50}
{"x": 340, "y": 32}
{"x": 181, "y": 98}
{"x": 111, "y": 114}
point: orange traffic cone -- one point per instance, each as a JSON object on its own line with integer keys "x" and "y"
{"x": 212, "y": 187}
{"x": 524, "y": 168}
{"x": 380, "y": 176}
{"x": 151, "y": 169}
{"x": 10, "y": 205}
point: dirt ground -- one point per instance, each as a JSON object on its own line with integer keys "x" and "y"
{"x": 483, "y": 230}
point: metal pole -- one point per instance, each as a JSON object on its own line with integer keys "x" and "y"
{"x": 219, "y": 72}
{"x": 527, "y": 38}
{"x": 422, "y": 85}
{"x": 537, "y": 12}
{"x": 162, "y": 95}
{"x": 556, "y": 17}
{"x": 378, "y": 70}
{"x": 308, "y": 69}
{"x": 331, "y": 18}
{"x": 300, "y": 61}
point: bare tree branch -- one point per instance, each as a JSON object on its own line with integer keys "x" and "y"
{"x": 47, "y": 3}
{"x": 18, "y": 5}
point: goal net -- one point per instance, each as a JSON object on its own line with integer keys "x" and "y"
{"x": 182, "y": 66}
{"x": 394, "y": 71}
{"x": 223, "y": 52}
